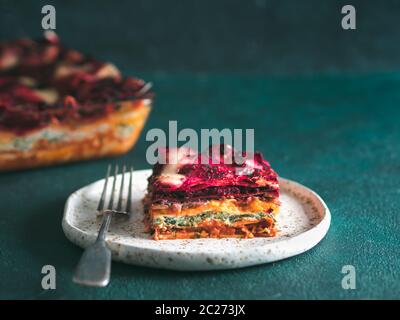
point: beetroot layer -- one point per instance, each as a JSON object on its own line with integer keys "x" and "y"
{"x": 209, "y": 193}
{"x": 215, "y": 180}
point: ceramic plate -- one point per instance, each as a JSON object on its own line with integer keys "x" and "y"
{"x": 303, "y": 221}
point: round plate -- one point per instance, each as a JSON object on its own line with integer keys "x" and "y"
{"x": 303, "y": 221}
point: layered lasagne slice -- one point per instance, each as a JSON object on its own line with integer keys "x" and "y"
{"x": 191, "y": 198}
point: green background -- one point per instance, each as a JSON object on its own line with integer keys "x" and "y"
{"x": 324, "y": 104}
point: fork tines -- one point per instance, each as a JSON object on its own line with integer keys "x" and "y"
{"x": 116, "y": 193}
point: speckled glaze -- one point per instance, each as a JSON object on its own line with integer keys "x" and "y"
{"x": 303, "y": 221}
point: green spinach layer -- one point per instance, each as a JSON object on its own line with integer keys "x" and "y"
{"x": 192, "y": 221}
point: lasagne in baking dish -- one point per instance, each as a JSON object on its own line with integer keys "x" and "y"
{"x": 188, "y": 198}
{"x": 59, "y": 105}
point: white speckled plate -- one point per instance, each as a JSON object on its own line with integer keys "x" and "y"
{"x": 303, "y": 221}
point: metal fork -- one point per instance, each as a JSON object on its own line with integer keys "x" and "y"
{"x": 94, "y": 267}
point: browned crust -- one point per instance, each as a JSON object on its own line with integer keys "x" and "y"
{"x": 101, "y": 144}
{"x": 205, "y": 234}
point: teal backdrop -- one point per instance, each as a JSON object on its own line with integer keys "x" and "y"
{"x": 324, "y": 104}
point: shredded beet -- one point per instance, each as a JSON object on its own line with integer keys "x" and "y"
{"x": 85, "y": 88}
{"x": 212, "y": 180}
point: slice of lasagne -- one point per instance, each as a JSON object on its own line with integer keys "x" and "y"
{"x": 59, "y": 105}
{"x": 189, "y": 197}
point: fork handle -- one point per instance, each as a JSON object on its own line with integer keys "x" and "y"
{"x": 94, "y": 267}
{"x": 107, "y": 215}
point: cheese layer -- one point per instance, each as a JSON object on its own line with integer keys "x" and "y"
{"x": 231, "y": 206}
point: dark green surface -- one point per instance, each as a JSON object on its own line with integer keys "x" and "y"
{"x": 270, "y": 36}
{"x": 336, "y": 132}
{"x": 313, "y": 129}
